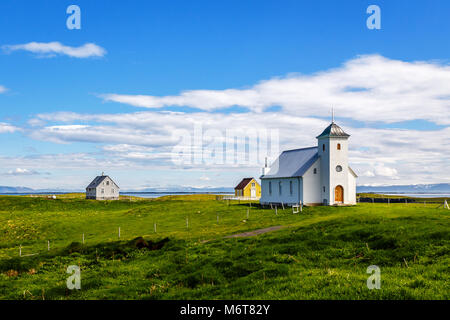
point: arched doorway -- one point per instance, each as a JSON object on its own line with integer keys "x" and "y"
{"x": 339, "y": 194}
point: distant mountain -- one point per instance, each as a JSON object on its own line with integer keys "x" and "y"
{"x": 174, "y": 189}
{"x": 181, "y": 189}
{"x": 7, "y": 189}
{"x": 4, "y": 189}
{"x": 418, "y": 188}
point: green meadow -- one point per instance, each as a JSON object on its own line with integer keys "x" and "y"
{"x": 321, "y": 253}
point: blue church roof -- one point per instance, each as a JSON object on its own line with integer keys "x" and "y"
{"x": 292, "y": 163}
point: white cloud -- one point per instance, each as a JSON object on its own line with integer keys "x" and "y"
{"x": 3, "y": 89}
{"x": 368, "y": 174}
{"x": 386, "y": 171}
{"x": 144, "y": 140}
{"x": 21, "y": 172}
{"x": 50, "y": 49}
{"x": 7, "y": 128}
{"x": 367, "y": 88}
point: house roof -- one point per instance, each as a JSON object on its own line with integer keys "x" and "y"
{"x": 98, "y": 180}
{"x": 243, "y": 183}
{"x": 292, "y": 163}
{"x": 333, "y": 130}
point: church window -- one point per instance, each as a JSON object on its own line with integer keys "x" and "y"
{"x": 323, "y": 147}
{"x": 279, "y": 188}
{"x": 315, "y": 170}
{"x": 339, "y": 146}
{"x": 324, "y": 189}
{"x": 290, "y": 187}
{"x": 270, "y": 187}
{"x": 338, "y": 168}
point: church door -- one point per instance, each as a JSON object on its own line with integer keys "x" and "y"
{"x": 339, "y": 194}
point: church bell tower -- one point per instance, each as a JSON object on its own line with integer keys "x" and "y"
{"x": 333, "y": 153}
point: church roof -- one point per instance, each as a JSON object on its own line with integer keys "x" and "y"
{"x": 292, "y": 163}
{"x": 333, "y": 130}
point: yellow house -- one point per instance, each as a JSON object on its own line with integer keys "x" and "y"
{"x": 248, "y": 188}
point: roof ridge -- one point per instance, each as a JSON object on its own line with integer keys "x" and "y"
{"x": 300, "y": 149}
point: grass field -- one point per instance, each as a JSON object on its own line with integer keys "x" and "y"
{"x": 322, "y": 253}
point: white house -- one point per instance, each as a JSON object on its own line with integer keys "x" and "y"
{"x": 312, "y": 176}
{"x": 102, "y": 188}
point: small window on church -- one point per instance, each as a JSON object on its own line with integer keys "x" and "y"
{"x": 315, "y": 170}
{"x": 279, "y": 188}
{"x": 290, "y": 187}
{"x": 323, "y": 147}
{"x": 270, "y": 187}
{"x": 338, "y": 168}
{"x": 323, "y": 189}
{"x": 339, "y": 146}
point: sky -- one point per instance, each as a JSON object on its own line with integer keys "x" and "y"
{"x": 149, "y": 92}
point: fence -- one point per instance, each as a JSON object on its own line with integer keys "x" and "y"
{"x": 401, "y": 200}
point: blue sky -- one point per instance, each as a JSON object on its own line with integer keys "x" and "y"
{"x": 156, "y": 50}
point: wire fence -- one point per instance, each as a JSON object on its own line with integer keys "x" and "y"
{"x": 400, "y": 200}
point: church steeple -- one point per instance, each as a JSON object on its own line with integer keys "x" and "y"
{"x": 333, "y": 130}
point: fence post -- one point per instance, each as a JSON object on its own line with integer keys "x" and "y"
{"x": 154, "y": 227}
{"x": 83, "y": 238}
{"x": 119, "y": 232}
{"x": 217, "y": 217}
{"x": 48, "y": 245}
{"x": 247, "y": 212}
{"x": 389, "y": 200}
{"x": 187, "y": 223}
{"x": 20, "y": 250}
{"x": 276, "y": 211}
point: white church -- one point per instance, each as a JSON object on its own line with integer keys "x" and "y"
{"x": 312, "y": 176}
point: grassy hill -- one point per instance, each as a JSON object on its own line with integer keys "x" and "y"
{"x": 322, "y": 253}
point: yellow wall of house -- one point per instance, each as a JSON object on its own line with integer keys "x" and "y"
{"x": 247, "y": 192}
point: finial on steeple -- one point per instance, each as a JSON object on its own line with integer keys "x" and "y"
{"x": 332, "y": 115}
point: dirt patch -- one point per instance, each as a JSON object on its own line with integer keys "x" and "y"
{"x": 254, "y": 232}
{"x": 141, "y": 243}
